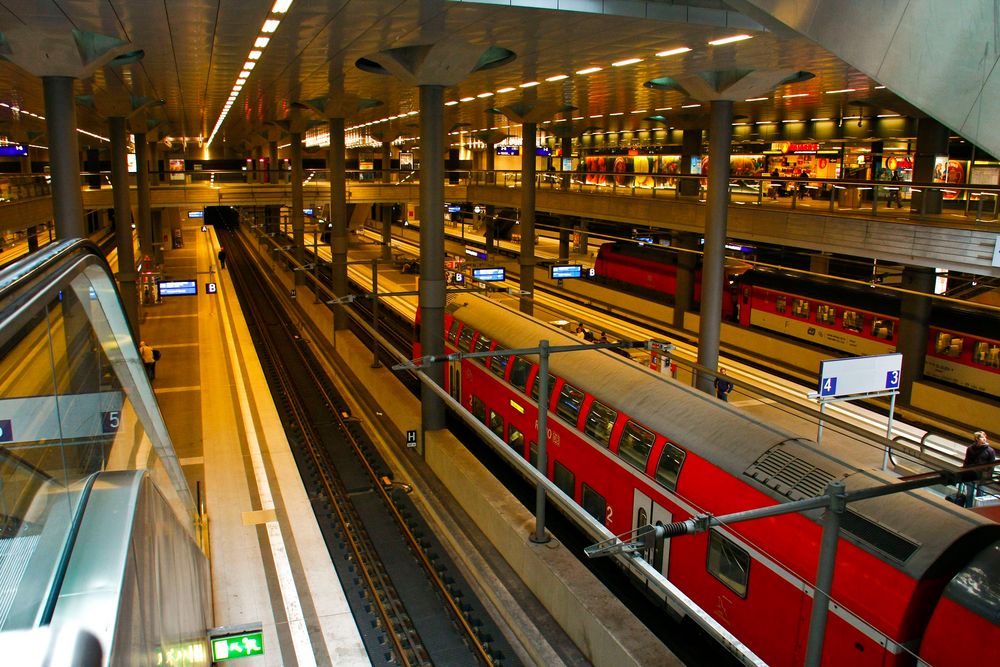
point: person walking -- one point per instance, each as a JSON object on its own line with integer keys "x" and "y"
{"x": 722, "y": 386}
{"x": 222, "y": 258}
{"x": 148, "y": 356}
{"x": 978, "y": 453}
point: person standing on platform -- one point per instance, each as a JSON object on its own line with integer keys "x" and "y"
{"x": 148, "y": 356}
{"x": 894, "y": 191}
{"x": 722, "y": 385}
{"x": 976, "y": 454}
{"x": 222, "y": 258}
{"x": 775, "y": 185}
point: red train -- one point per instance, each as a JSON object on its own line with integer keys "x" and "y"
{"x": 962, "y": 349}
{"x": 916, "y": 578}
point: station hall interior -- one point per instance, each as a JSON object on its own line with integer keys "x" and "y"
{"x": 499, "y": 332}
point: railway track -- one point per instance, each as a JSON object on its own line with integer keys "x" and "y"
{"x": 412, "y": 605}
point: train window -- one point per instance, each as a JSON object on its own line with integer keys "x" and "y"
{"x": 669, "y": 467}
{"x": 950, "y": 346}
{"x": 465, "y": 339}
{"x": 478, "y": 409}
{"x": 634, "y": 444}
{"x": 800, "y": 308}
{"x": 728, "y": 563}
{"x": 534, "y": 387}
{"x": 482, "y": 345}
{"x": 600, "y": 421}
{"x": 533, "y": 454}
{"x": 594, "y": 503}
{"x": 519, "y": 370}
{"x": 453, "y": 330}
{"x": 882, "y": 328}
{"x": 563, "y": 478}
{"x": 515, "y": 439}
{"x": 496, "y": 424}
{"x": 854, "y": 321}
{"x": 987, "y": 354}
{"x": 826, "y": 314}
{"x": 780, "y": 304}
{"x": 498, "y": 365}
{"x": 570, "y": 400}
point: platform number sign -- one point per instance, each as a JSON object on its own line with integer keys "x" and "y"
{"x": 411, "y": 438}
{"x": 829, "y": 387}
{"x": 110, "y": 421}
{"x": 892, "y": 379}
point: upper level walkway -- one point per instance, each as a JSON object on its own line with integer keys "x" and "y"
{"x": 846, "y": 217}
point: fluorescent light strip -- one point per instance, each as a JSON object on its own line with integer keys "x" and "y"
{"x": 281, "y": 6}
{"x": 529, "y": 84}
{"x": 756, "y": 99}
{"x": 795, "y": 95}
{"x": 508, "y": 89}
{"x": 728, "y": 40}
{"x": 674, "y": 52}
{"x": 690, "y": 106}
{"x": 842, "y": 90}
{"x": 626, "y": 62}
{"x": 270, "y": 25}
{"x": 557, "y": 77}
{"x": 589, "y": 70}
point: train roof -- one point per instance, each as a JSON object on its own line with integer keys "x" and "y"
{"x": 912, "y": 530}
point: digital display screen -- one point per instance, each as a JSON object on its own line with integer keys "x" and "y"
{"x": 196, "y": 214}
{"x": 478, "y": 254}
{"x": 307, "y": 211}
{"x": 13, "y": 150}
{"x": 489, "y": 274}
{"x": 508, "y": 150}
{"x": 560, "y": 271}
{"x": 454, "y": 208}
{"x": 543, "y": 152}
{"x": 178, "y": 288}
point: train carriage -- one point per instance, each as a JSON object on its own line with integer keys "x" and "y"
{"x": 632, "y": 447}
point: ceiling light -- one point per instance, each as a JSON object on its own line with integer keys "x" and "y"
{"x": 255, "y": 54}
{"x": 689, "y": 106}
{"x": 261, "y": 42}
{"x": 879, "y": 87}
{"x": 639, "y": 111}
{"x": 451, "y": 103}
{"x": 237, "y": 88}
{"x": 791, "y": 121}
{"x": 842, "y": 90}
{"x": 674, "y": 52}
{"x": 506, "y": 90}
{"x": 245, "y": 74}
{"x": 728, "y": 40}
{"x": 756, "y": 99}
{"x": 281, "y": 6}
{"x": 764, "y": 122}
{"x": 557, "y": 77}
{"x": 577, "y": 117}
{"x": 738, "y": 124}
{"x": 467, "y": 99}
{"x": 817, "y": 120}
{"x": 589, "y": 70}
{"x": 249, "y": 65}
{"x": 481, "y": 95}
{"x": 270, "y": 25}
{"x": 412, "y": 113}
{"x": 529, "y": 84}
{"x": 617, "y": 113}
{"x": 852, "y": 117}
{"x": 663, "y": 109}
{"x": 241, "y": 80}
{"x": 796, "y": 95}
{"x": 627, "y": 61}
{"x": 888, "y": 115}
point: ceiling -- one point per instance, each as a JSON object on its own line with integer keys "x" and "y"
{"x": 194, "y": 51}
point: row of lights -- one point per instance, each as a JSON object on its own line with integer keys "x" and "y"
{"x": 263, "y": 39}
{"x": 39, "y": 116}
{"x": 559, "y": 77}
{"x": 793, "y": 95}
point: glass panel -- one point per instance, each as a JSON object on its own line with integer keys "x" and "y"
{"x": 496, "y": 424}
{"x": 634, "y": 445}
{"x": 600, "y": 421}
{"x": 800, "y": 308}
{"x": 728, "y": 563}
{"x": 882, "y": 328}
{"x": 669, "y": 467}
{"x": 779, "y": 304}
{"x": 498, "y": 365}
{"x": 453, "y": 331}
{"x": 478, "y": 409}
{"x": 519, "y": 373}
{"x": 826, "y": 314}
{"x": 465, "y": 339}
{"x": 533, "y": 454}
{"x": 515, "y": 439}
{"x": 563, "y": 478}
{"x": 570, "y": 400}
{"x": 482, "y": 345}
{"x": 534, "y": 387}
{"x": 987, "y": 354}
{"x": 854, "y": 321}
{"x": 594, "y": 503}
{"x": 948, "y": 345}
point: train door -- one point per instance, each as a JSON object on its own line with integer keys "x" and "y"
{"x": 645, "y": 511}
{"x": 455, "y": 380}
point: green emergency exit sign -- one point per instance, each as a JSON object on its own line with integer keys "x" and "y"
{"x": 238, "y": 646}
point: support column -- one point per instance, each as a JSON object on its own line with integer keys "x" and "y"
{"x": 385, "y": 210}
{"x": 273, "y": 164}
{"x": 32, "y": 235}
{"x": 565, "y": 227}
{"x": 432, "y": 284}
{"x": 567, "y": 152}
{"x": 914, "y": 314}
{"x": 584, "y": 236}
{"x": 123, "y": 222}
{"x": 338, "y": 218}
{"x": 491, "y": 161}
{"x": 387, "y": 162}
{"x": 932, "y": 142}
{"x": 154, "y": 163}
{"x": 297, "y": 219}
{"x": 60, "y": 120}
{"x": 687, "y": 268}
{"x": 690, "y": 147}
{"x": 527, "y": 259}
{"x": 712, "y": 274}
{"x": 145, "y": 225}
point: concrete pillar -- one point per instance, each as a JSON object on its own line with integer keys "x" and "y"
{"x": 144, "y": 224}
{"x": 567, "y": 152}
{"x": 32, "y": 235}
{"x": 123, "y": 222}
{"x": 713, "y": 261}
{"x": 565, "y": 227}
{"x": 60, "y": 119}
{"x": 387, "y": 162}
{"x": 584, "y": 236}
{"x": 338, "y": 218}
{"x": 490, "y": 225}
{"x": 687, "y": 245}
{"x": 491, "y": 160}
{"x": 690, "y": 147}
{"x": 154, "y": 163}
{"x": 432, "y": 283}
{"x": 526, "y": 260}
{"x": 273, "y": 164}
{"x": 296, "y": 215}
{"x": 914, "y": 313}
{"x": 932, "y": 142}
